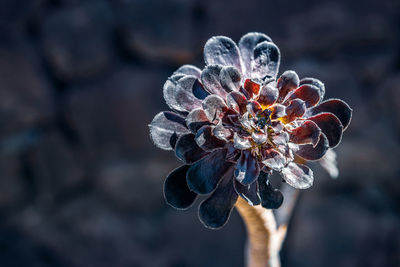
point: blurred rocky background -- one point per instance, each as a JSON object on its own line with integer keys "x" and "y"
{"x": 81, "y": 182}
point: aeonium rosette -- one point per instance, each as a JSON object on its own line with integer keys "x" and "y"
{"x": 234, "y": 122}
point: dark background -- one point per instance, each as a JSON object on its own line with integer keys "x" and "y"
{"x": 81, "y": 182}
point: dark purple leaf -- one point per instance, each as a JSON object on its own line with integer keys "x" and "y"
{"x": 248, "y": 192}
{"x": 247, "y": 168}
{"x": 309, "y": 152}
{"x": 271, "y": 198}
{"x": 203, "y": 176}
{"x": 214, "y": 212}
{"x": 187, "y": 150}
{"x": 330, "y": 126}
{"x": 337, "y": 107}
{"x": 176, "y": 190}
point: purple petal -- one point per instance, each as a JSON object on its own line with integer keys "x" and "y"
{"x": 214, "y": 212}
{"x": 165, "y": 129}
{"x": 266, "y": 60}
{"x": 337, "y": 107}
{"x": 223, "y": 51}
{"x": 315, "y": 82}
{"x": 206, "y": 139}
{"x": 248, "y": 192}
{"x": 298, "y": 176}
{"x": 271, "y": 198}
{"x": 310, "y": 152}
{"x": 196, "y": 119}
{"x": 176, "y": 190}
{"x": 330, "y": 126}
{"x": 210, "y": 80}
{"x": 189, "y": 70}
{"x": 230, "y": 78}
{"x": 287, "y": 82}
{"x": 187, "y": 150}
{"x": 307, "y": 133}
{"x": 247, "y": 168}
{"x": 203, "y": 176}
{"x": 247, "y": 44}
{"x": 214, "y": 107}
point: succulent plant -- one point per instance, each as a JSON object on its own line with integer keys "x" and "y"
{"x": 235, "y": 122}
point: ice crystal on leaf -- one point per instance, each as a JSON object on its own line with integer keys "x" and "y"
{"x": 235, "y": 122}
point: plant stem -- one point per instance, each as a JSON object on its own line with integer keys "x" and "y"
{"x": 264, "y": 236}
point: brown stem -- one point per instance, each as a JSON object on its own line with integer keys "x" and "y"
{"x": 264, "y": 238}
{"x": 266, "y": 231}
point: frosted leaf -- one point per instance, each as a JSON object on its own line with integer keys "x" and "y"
{"x": 298, "y": 175}
{"x": 189, "y": 70}
{"x": 337, "y": 107}
{"x": 315, "y": 82}
{"x": 310, "y": 152}
{"x": 165, "y": 129}
{"x": 273, "y": 160}
{"x": 230, "y": 78}
{"x": 199, "y": 91}
{"x": 307, "y": 133}
{"x": 246, "y": 122}
{"x": 223, "y": 51}
{"x": 206, "y": 140}
{"x": 221, "y": 132}
{"x": 268, "y": 95}
{"x": 295, "y": 109}
{"x": 241, "y": 143}
{"x": 307, "y": 92}
{"x": 214, "y": 107}
{"x": 179, "y": 95}
{"x": 288, "y": 81}
{"x": 253, "y": 108}
{"x": 280, "y": 139}
{"x": 277, "y": 111}
{"x": 259, "y": 137}
{"x": 196, "y": 119}
{"x": 329, "y": 163}
{"x": 266, "y": 60}
{"x": 236, "y": 101}
{"x": 187, "y": 150}
{"x": 210, "y": 80}
{"x": 247, "y": 44}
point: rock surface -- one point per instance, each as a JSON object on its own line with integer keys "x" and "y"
{"x": 81, "y": 182}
